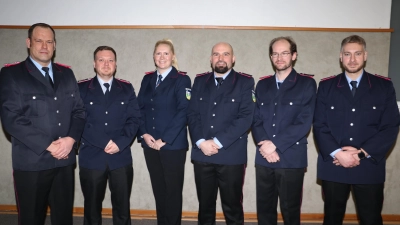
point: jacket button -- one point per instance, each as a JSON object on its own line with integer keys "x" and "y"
{"x": 106, "y": 112}
{"x": 351, "y": 124}
{"x": 332, "y": 107}
{"x": 351, "y": 139}
{"x": 33, "y": 97}
{"x": 55, "y": 98}
{"x": 212, "y": 127}
{"x": 106, "y": 124}
{"x": 353, "y": 110}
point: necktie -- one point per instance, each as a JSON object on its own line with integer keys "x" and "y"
{"x": 219, "y": 80}
{"x": 158, "y": 80}
{"x": 354, "y": 87}
{"x": 279, "y": 85}
{"x": 107, "y": 85}
{"x": 47, "y": 76}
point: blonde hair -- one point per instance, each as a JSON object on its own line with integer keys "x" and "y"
{"x": 168, "y": 42}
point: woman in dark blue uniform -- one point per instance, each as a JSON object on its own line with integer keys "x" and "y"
{"x": 163, "y": 99}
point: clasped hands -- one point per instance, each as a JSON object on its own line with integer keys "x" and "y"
{"x": 347, "y": 157}
{"x": 268, "y": 151}
{"x": 61, "y": 148}
{"x": 153, "y": 143}
{"x": 209, "y": 147}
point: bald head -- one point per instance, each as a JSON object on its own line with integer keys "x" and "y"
{"x": 225, "y": 44}
{"x": 222, "y": 58}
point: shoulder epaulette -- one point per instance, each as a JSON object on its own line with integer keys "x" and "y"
{"x": 122, "y": 80}
{"x": 265, "y": 77}
{"x": 328, "y": 78}
{"x": 150, "y": 72}
{"x": 202, "y": 74}
{"x": 245, "y": 74}
{"x": 380, "y": 76}
{"x": 85, "y": 80}
{"x": 307, "y": 75}
{"x": 182, "y": 72}
{"x": 11, "y": 64}
{"x": 63, "y": 65}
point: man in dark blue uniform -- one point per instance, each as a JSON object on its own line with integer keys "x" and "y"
{"x": 220, "y": 114}
{"x": 42, "y": 111}
{"x": 355, "y": 125}
{"x": 282, "y": 120}
{"x": 105, "y": 154}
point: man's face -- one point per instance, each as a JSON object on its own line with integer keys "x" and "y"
{"x": 353, "y": 57}
{"x": 41, "y": 45}
{"x": 281, "y": 56}
{"x": 105, "y": 64}
{"x": 222, "y": 58}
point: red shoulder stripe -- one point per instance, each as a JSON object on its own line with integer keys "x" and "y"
{"x": 245, "y": 74}
{"x": 265, "y": 77}
{"x": 122, "y": 80}
{"x": 380, "y": 76}
{"x": 11, "y": 64}
{"x": 328, "y": 78}
{"x": 150, "y": 72}
{"x": 307, "y": 75}
{"x": 182, "y": 72}
{"x": 63, "y": 65}
{"x": 202, "y": 74}
{"x": 85, "y": 80}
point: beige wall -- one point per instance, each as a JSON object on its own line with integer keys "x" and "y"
{"x": 318, "y": 54}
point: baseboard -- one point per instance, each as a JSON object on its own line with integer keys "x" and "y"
{"x": 188, "y": 215}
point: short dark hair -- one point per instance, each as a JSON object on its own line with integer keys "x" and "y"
{"x": 293, "y": 46}
{"x": 44, "y": 25}
{"x": 102, "y": 48}
{"x": 354, "y": 39}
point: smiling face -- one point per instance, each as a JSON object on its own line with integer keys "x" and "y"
{"x": 222, "y": 58}
{"x": 163, "y": 57}
{"x": 105, "y": 64}
{"x": 353, "y": 57}
{"x": 41, "y": 45}
{"x": 282, "y": 58}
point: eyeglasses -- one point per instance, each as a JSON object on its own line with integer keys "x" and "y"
{"x": 283, "y": 54}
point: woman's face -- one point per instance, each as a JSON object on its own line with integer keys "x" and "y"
{"x": 163, "y": 57}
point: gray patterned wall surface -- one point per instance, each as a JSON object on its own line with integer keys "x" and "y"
{"x": 318, "y": 55}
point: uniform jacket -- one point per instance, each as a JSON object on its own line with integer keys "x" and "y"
{"x": 115, "y": 119}
{"x": 225, "y": 113}
{"x": 285, "y": 116}
{"x": 35, "y": 114}
{"x": 369, "y": 120}
{"x": 164, "y": 109}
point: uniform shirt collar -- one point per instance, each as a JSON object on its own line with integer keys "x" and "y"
{"x": 224, "y": 76}
{"x": 349, "y": 79}
{"x": 39, "y": 67}
{"x": 165, "y": 74}
{"x": 101, "y": 82}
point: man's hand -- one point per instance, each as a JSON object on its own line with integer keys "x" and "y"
{"x": 266, "y": 148}
{"x": 209, "y": 147}
{"x": 347, "y": 157}
{"x": 111, "y": 148}
{"x": 149, "y": 140}
{"x": 273, "y": 157}
{"x": 64, "y": 147}
{"x": 158, "y": 144}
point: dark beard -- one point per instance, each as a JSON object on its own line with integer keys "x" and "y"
{"x": 221, "y": 69}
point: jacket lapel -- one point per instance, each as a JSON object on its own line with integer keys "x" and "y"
{"x": 57, "y": 75}
{"x": 288, "y": 83}
{"x": 363, "y": 87}
{"x": 344, "y": 88}
{"x": 116, "y": 88}
{"x": 33, "y": 70}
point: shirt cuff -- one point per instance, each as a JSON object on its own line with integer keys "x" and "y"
{"x": 217, "y": 142}
{"x": 334, "y": 152}
{"x": 199, "y": 142}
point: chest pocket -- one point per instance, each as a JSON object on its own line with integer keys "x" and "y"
{"x": 35, "y": 105}
{"x": 372, "y": 113}
{"x": 231, "y": 105}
